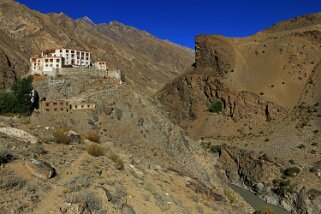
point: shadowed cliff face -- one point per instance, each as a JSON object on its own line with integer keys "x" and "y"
{"x": 147, "y": 61}
{"x": 258, "y": 78}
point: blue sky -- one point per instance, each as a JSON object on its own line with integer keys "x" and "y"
{"x": 181, "y": 20}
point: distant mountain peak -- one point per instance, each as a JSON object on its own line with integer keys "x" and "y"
{"x": 88, "y": 20}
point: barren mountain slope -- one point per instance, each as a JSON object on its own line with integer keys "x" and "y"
{"x": 258, "y": 78}
{"x": 29, "y": 32}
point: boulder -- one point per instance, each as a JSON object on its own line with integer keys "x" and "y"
{"x": 18, "y": 134}
{"x": 73, "y": 136}
{"x": 40, "y": 169}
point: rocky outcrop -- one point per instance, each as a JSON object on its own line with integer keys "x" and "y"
{"x": 19, "y": 134}
{"x": 40, "y": 169}
{"x": 73, "y": 136}
{"x": 214, "y": 55}
{"x": 193, "y": 94}
{"x": 259, "y": 173}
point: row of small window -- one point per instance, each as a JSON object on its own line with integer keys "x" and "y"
{"x": 51, "y": 65}
{"x": 51, "y": 60}
{"x": 55, "y": 104}
{"x": 82, "y": 106}
{"x": 71, "y": 51}
{"x": 55, "y": 109}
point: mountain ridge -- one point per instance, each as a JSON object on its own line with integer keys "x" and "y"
{"x": 33, "y": 32}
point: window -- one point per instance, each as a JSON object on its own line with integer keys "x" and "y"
{"x": 54, "y": 104}
{"x": 61, "y": 109}
{"x": 55, "y": 109}
{"x": 76, "y": 106}
{"x": 88, "y": 106}
{"x": 47, "y": 104}
{"x": 47, "y": 109}
{"x": 60, "y": 51}
{"x": 82, "y": 106}
{"x": 46, "y": 60}
{"x": 46, "y": 65}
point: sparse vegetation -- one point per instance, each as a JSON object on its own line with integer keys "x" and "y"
{"x": 281, "y": 187}
{"x": 10, "y": 181}
{"x": 60, "y": 136}
{"x": 95, "y": 150}
{"x": 230, "y": 197}
{"x": 119, "y": 163}
{"x": 215, "y": 148}
{"x": 301, "y": 146}
{"x": 5, "y": 154}
{"x": 92, "y": 136}
{"x": 77, "y": 183}
{"x": 292, "y": 162}
{"x": 87, "y": 198}
{"x": 291, "y": 171}
{"x": 216, "y": 106}
{"x": 264, "y": 210}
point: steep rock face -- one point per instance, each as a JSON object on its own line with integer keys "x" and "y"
{"x": 148, "y": 62}
{"x": 258, "y": 78}
{"x": 196, "y": 91}
{"x": 214, "y": 55}
{"x": 7, "y": 74}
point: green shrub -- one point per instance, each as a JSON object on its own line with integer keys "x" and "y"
{"x": 291, "y": 171}
{"x": 7, "y": 103}
{"x": 215, "y": 149}
{"x": 216, "y": 106}
{"x": 19, "y": 101}
{"x": 281, "y": 186}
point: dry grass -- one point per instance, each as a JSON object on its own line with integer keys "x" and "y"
{"x": 38, "y": 77}
{"x": 95, "y": 150}
{"x": 5, "y": 154}
{"x": 119, "y": 163}
{"x": 10, "y": 181}
{"x": 60, "y": 136}
{"x": 92, "y": 136}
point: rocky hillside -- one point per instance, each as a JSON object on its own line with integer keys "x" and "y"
{"x": 258, "y": 78}
{"x": 146, "y": 60}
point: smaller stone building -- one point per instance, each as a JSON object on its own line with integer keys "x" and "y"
{"x": 101, "y": 65}
{"x": 83, "y": 106}
{"x": 116, "y": 74}
{"x": 55, "y": 106}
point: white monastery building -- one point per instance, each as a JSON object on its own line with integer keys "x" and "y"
{"x": 53, "y": 60}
